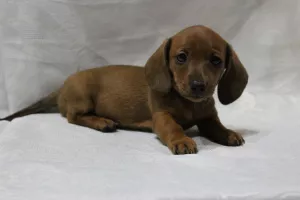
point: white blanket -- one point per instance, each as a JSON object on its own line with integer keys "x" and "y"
{"x": 44, "y": 157}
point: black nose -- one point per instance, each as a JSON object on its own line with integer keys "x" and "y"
{"x": 197, "y": 87}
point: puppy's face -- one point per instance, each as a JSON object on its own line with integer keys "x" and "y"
{"x": 196, "y": 62}
{"x": 193, "y": 62}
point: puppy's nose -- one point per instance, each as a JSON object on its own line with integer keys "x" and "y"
{"x": 197, "y": 87}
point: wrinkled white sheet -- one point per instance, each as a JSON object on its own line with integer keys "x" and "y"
{"x": 43, "y": 157}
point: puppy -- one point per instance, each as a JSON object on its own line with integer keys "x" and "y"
{"x": 173, "y": 92}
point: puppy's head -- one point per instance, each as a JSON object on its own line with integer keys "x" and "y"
{"x": 193, "y": 62}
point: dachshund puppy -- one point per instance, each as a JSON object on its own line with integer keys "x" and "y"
{"x": 173, "y": 92}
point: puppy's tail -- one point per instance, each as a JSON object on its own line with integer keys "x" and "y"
{"x": 45, "y": 105}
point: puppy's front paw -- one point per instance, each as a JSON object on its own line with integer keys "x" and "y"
{"x": 183, "y": 145}
{"x": 235, "y": 139}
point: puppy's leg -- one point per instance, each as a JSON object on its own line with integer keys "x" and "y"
{"x": 95, "y": 122}
{"x": 79, "y": 113}
{"x": 214, "y": 130}
{"x": 171, "y": 134}
{"x": 145, "y": 126}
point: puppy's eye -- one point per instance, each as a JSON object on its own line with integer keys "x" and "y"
{"x": 215, "y": 60}
{"x": 181, "y": 58}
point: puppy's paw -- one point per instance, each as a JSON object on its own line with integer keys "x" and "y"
{"x": 235, "y": 139}
{"x": 107, "y": 126}
{"x": 183, "y": 145}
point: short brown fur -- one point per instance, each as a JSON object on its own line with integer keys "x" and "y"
{"x": 158, "y": 97}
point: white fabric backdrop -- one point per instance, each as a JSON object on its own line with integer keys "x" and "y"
{"x": 43, "y": 41}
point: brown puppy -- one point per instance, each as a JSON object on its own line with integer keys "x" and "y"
{"x": 172, "y": 93}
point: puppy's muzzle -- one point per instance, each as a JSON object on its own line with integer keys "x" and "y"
{"x": 197, "y": 88}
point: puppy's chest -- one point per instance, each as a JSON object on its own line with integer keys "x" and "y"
{"x": 189, "y": 113}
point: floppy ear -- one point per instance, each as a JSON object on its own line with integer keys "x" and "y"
{"x": 234, "y": 80}
{"x": 157, "y": 68}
